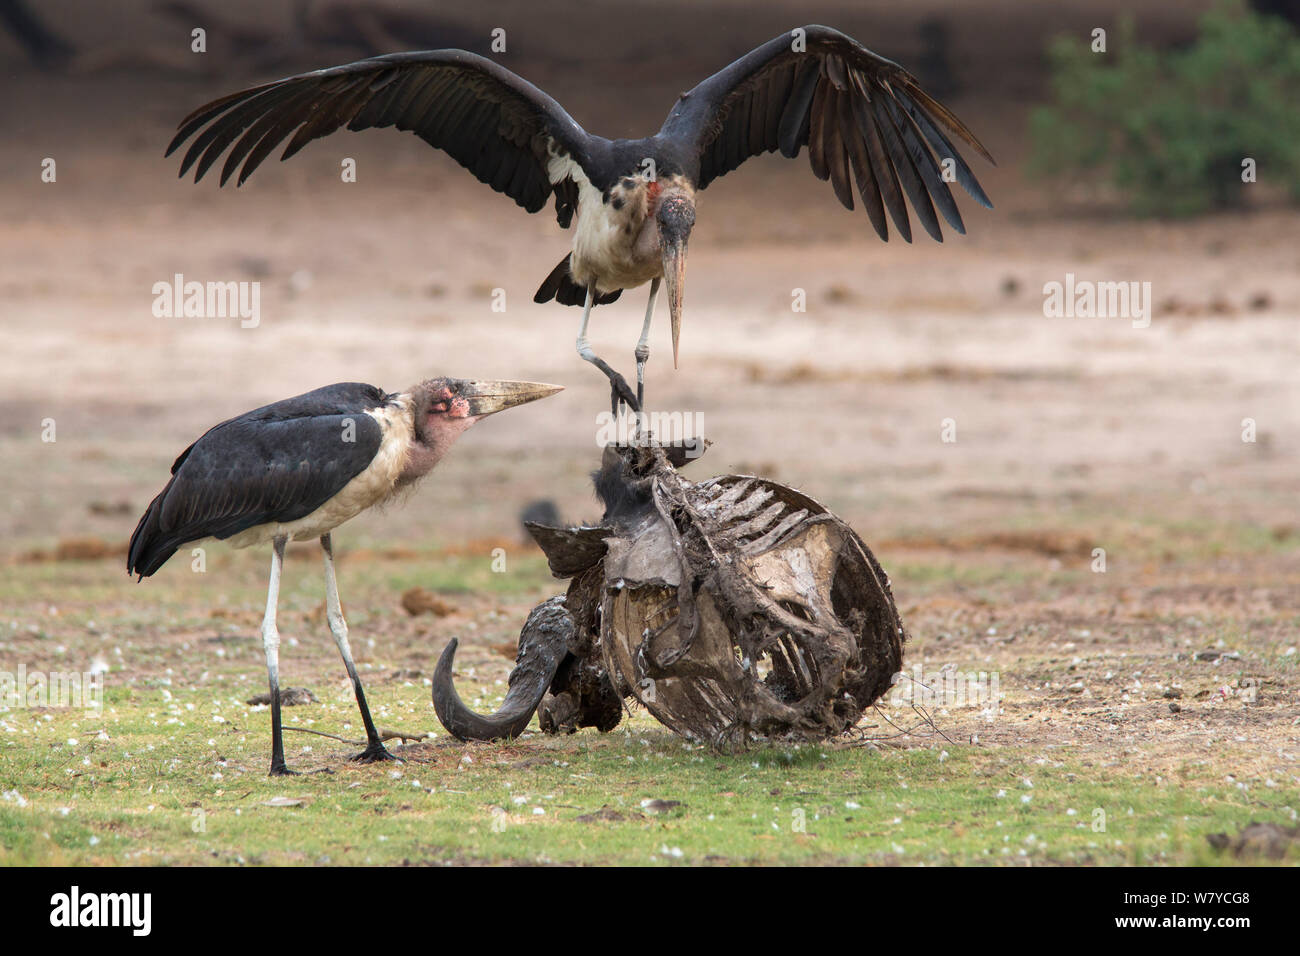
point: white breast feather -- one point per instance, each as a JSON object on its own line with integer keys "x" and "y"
{"x": 602, "y": 249}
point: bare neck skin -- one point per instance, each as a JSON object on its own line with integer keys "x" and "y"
{"x": 434, "y": 434}
{"x": 422, "y": 456}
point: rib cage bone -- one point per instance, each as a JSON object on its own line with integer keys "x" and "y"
{"x": 730, "y": 608}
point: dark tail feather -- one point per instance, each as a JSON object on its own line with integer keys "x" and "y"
{"x": 150, "y": 548}
{"x": 559, "y": 285}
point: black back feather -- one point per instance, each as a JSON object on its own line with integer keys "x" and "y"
{"x": 279, "y": 462}
{"x": 559, "y": 285}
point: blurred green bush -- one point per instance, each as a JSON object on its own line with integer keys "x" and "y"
{"x": 1171, "y": 128}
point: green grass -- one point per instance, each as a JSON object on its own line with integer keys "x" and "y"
{"x": 154, "y": 779}
{"x": 172, "y": 771}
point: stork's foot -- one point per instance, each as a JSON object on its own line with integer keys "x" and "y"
{"x": 621, "y": 394}
{"x": 280, "y": 770}
{"x": 375, "y": 753}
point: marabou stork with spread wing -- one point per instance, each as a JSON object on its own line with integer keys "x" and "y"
{"x": 861, "y": 116}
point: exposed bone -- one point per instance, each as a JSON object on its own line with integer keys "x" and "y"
{"x": 731, "y": 608}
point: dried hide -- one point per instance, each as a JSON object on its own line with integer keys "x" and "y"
{"x": 730, "y": 608}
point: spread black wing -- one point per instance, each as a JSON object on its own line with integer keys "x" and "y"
{"x": 277, "y": 463}
{"x": 861, "y": 116}
{"x": 496, "y": 124}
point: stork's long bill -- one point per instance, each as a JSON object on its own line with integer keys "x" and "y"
{"x": 675, "y": 276}
{"x": 488, "y": 398}
{"x": 676, "y": 216}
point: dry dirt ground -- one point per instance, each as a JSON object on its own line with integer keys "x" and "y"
{"x": 1071, "y": 434}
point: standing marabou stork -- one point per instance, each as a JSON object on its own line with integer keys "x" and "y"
{"x": 861, "y": 116}
{"x": 298, "y": 469}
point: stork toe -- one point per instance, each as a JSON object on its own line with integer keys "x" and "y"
{"x": 622, "y": 394}
{"x": 375, "y": 753}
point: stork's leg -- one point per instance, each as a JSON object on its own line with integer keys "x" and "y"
{"x": 643, "y": 351}
{"x": 621, "y": 391}
{"x": 375, "y": 749}
{"x": 271, "y": 644}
